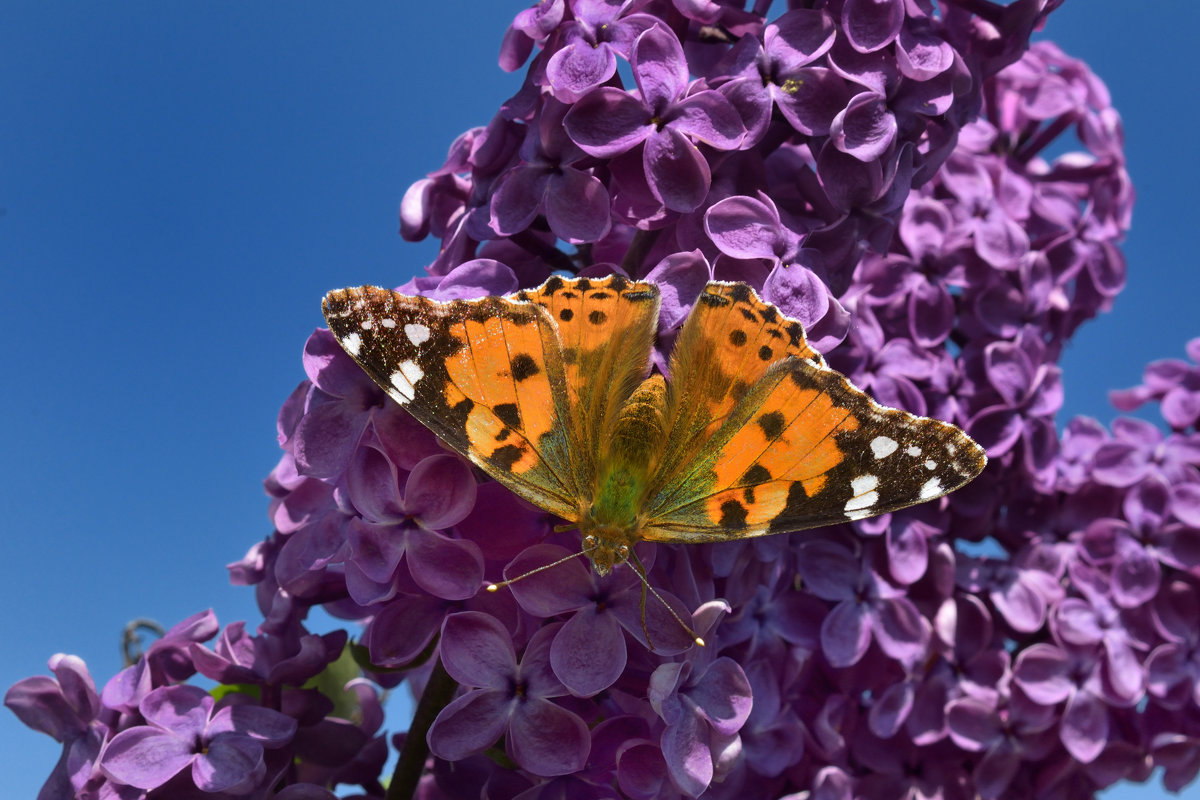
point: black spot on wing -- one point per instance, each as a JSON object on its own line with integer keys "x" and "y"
{"x": 508, "y": 414}
{"x": 524, "y": 367}
{"x": 757, "y": 474}
{"x": 566, "y": 314}
{"x": 771, "y": 424}
{"x": 597, "y": 317}
{"x": 737, "y": 337}
{"x": 507, "y": 455}
{"x": 740, "y": 292}
{"x": 765, "y": 353}
{"x": 733, "y": 514}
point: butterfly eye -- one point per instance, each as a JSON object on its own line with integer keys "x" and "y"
{"x": 623, "y": 552}
{"x": 589, "y": 542}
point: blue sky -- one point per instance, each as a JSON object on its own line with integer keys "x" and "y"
{"x": 180, "y": 184}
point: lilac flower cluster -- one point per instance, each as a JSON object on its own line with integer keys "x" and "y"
{"x": 878, "y": 161}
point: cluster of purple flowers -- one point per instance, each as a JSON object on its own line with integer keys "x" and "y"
{"x": 873, "y": 161}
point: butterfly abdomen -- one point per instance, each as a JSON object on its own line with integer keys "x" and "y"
{"x": 630, "y": 451}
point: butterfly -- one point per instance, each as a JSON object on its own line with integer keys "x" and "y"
{"x": 550, "y": 392}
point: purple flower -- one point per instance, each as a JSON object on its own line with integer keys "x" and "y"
{"x": 591, "y": 42}
{"x": 704, "y": 706}
{"x": 866, "y": 607}
{"x": 406, "y": 525}
{"x": 589, "y": 653}
{"x": 511, "y": 699}
{"x": 666, "y": 117}
{"x": 185, "y": 728}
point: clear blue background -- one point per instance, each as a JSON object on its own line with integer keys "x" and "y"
{"x": 182, "y": 181}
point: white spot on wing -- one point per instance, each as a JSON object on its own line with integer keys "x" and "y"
{"x": 352, "y": 343}
{"x": 388, "y": 323}
{"x": 416, "y": 333}
{"x": 931, "y": 489}
{"x": 864, "y": 498}
{"x": 930, "y": 464}
{"x": 883, "y": 447}
{"x": 405, "y": 381}
{"x": 913, "y": 451}
{"x": 366, "y": 324}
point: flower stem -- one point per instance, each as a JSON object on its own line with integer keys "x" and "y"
{"x": 439, "y": 689}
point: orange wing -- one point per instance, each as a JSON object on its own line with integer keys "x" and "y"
{"x": 486, "y": 376}
{"x": 765, "y": 445}
{"x": 606, "y": 329}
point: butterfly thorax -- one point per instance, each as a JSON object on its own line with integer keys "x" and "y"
{"x": 628, "y": 457}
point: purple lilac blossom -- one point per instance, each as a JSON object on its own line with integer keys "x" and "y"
{"x": 873, "y": 167}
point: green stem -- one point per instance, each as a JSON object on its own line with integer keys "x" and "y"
{"x": 439, "y": 690}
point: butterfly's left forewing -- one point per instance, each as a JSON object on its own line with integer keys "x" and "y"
{"x": 485, "y": 375}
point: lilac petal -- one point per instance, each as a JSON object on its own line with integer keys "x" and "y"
{"x": 181, "y": 709}
{"x": 451, "y": 569}
{"x": 1136, "y": 579}
{"x": 1084, "y": 727}
{"x": 811, "y": 99}
{"x": 577, "y": 207}
{"x": 687, "y": 754}
{"x": 145, "y": 757}
{"x": 476, "y": 278}
{"x": 1042, "y": 672}
{"x": 972, "y": 724}
{"x": 1077, "y": 623}
{"x": 376, "y": 550}
{"x": 680, "y": 278}
{"x": 900, "y": 629}
{"x": 1185, "y": 503}
{"x": 588, "y": 654}
{"x": 566, "y": 587}
{"x": 744, "y": 227}
{"x": 440, "y": 492}
{"x": 548, "y": 740}
{"x": 1000, "y": 240}
{"x": 230, "y": 760}
{"x": 326, "y": 438}
{"x": 470, "y": 724}
{"x": 374, "y": 486}
{"x": 254, "y": 722}
{"x": 872, "y": 24}
{"x": 517, "y": 199}
{"x": 828, "y": 571}
{"x": 997, "y": 429}
{"x": 403, "y": 628}
{"x": 607, "y": 122}
{"x": 865, "y": 128}
{"x": 799, "y": 37}
{"x": 659, "y": 67}
{"x": 996, "y": 769}
{"x": 676, "y": 170}
{"x": 476, "y": 650}
{"x": 931, "y": 314}
{"x": 642, "y": 770}
{"x": 921, "y": 54}
{"x": 891, "y": 709}
{"x": 846, "y": 634}
{"x": 723, "y": 696}
{"x": 328, "y": 366}
{"x": 710, "y": 118}
{"x": 579, "y": 66}
{"x": 41, "y": 704}
{"x": 1119, "y": 464}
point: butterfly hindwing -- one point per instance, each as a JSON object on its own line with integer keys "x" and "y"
{"x": 485, "y": 375}
{"x": 803, "y": 447}
{"x": 606, "y": 328}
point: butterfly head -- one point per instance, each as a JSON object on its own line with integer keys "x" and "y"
{"x": 605, "y": 551}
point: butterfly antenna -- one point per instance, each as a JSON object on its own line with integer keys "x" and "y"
{"x": 495, "y": 587}
{"x": 635, "y": 564}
